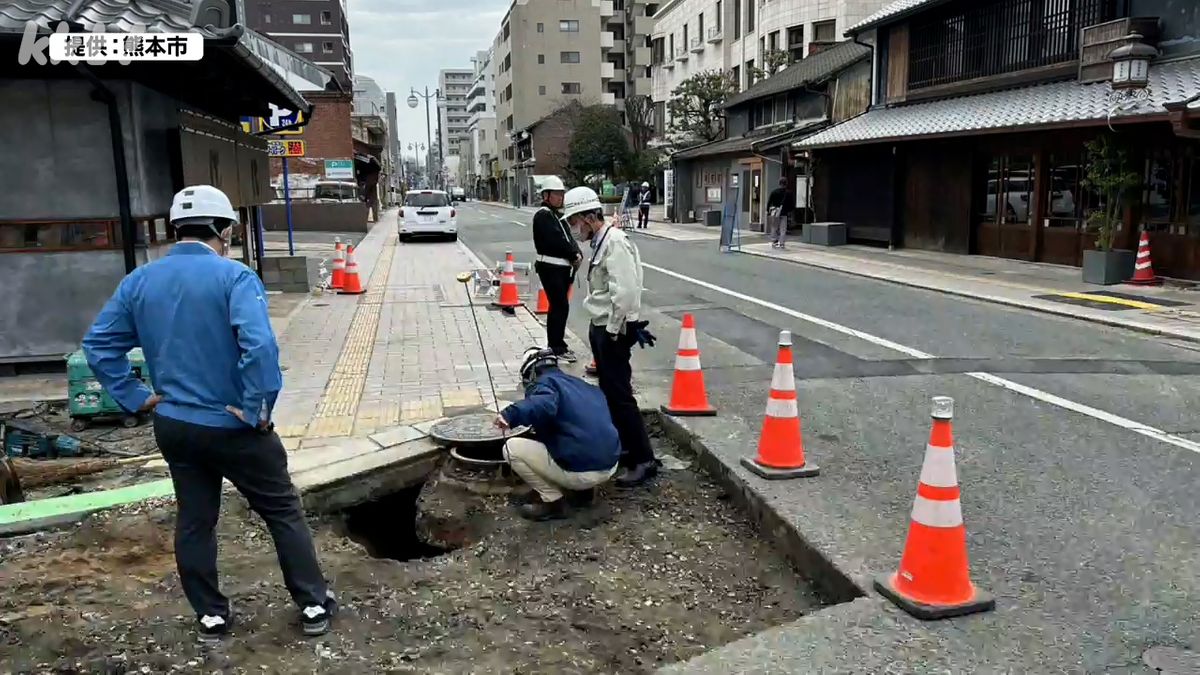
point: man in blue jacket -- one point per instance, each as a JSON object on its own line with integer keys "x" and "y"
{"x": 201, "y": 319}
{"x": 577, "y": 446}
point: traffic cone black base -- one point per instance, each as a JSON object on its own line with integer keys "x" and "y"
{"x": 771, "y": 473}
{"x": 982, "y": 602}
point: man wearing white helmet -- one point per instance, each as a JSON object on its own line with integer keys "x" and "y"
{"x": 201, "y": 319}
{"x": 644, "y": 206}
{"x": 613, "y": 304}
{"x": 557, "y": 259}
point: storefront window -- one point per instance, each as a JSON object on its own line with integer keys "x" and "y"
{"x": 1065, "y": 197}
{"x": 1018, "y": 186}
{"x": 988, "y": 192}
{"x": 56, "y": 236}
{"x": 1160, "y": 179}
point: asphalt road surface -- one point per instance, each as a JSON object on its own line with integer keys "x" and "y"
{"x": 1078, "y": 447}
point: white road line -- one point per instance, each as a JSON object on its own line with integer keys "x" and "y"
{"x": 1037, "y": 394}
{"x": 517, "y": 222}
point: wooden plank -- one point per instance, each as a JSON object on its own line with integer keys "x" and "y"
{"x": 897, "y": 80}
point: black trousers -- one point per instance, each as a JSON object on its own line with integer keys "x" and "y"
{"x": 643, "y": 216}
{"x": 199, "y": 457}
{"x": 616, "y": 381}
{"x": 556, "y": 279}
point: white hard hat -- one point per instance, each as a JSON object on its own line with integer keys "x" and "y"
{"x": 645, "y": 184}
{"x": 580, "y": 200}
{"x": 552, "y": 183}
{"x": 202, "y": 202}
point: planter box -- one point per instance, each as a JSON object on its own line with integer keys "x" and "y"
{"x": 824, "y": 234}
{"x": 1107, "y": 267}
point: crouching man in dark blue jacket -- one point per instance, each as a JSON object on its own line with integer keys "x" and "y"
{"x": 577, "y": 446}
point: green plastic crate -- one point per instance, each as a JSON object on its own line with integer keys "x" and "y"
{"x": 85, "y": 397}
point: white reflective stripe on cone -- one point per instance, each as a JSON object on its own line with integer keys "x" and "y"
{"x": 782, "y": 407}
{"x": 784, "y": 378}
{"x": 687, "y": 362}
{"x": 687, "y": 339}
{"x": 937, "y": 513}
{"x": 938, "y": 468}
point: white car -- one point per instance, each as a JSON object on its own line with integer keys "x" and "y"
{"x": 427, "y": 213}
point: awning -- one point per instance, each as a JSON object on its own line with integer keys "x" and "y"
{"x": 1059, "y": 104}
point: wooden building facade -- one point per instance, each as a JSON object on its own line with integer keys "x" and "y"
{"x": 982, "y": 110}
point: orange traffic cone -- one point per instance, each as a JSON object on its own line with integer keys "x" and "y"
{"x": 338, "y": 280}
{"x": 353, "y": 285}
{"x": 688, "y": 398}
{"x": 543, "y": 303}
{"x": 1143, "y": 269}
{"x": 933, "y": 581}
{"x": 509, "y": 297}
{"x": 780, "y": 446}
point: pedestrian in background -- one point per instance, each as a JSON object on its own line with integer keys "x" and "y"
{"x": 201, "y": 319}
{"x": 644, "y": 206}
{"x": 613, "y": 304}
{"x": 780, "y": 204}
{"x": 557, "y": 259}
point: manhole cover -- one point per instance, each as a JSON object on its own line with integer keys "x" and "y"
{"x": 473, "y": 429}
{"x": 1172, "y": 660}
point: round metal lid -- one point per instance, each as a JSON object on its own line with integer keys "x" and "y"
{"x": 472, "y": 429}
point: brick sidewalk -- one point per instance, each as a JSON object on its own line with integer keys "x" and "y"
{"x": 404, "y": 352}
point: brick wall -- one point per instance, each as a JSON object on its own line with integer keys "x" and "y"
{"x": 326, "y": 136}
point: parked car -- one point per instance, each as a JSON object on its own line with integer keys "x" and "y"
{"x": 427, "y": 213}
{"x": 333, "y": 191}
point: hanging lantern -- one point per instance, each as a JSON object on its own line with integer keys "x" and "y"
{"x": 1131, "y": 63}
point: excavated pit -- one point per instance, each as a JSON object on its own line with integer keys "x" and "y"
{"x": 386, "y": 527}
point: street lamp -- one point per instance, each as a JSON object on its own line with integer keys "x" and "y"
{"x": 412, "y": 103}
{"x": 416, "y": 149}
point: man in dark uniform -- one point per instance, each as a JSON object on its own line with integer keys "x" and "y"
{"x": 557, "y": 259}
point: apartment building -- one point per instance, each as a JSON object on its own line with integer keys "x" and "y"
{"x": 454, "y": 85}
{"x": 626, "y": 70}
{"x": 315, "y": 29}
{"x": 547, "y": 54}
{"x": 480, "y": 146}
{"x": 691, "y": 36}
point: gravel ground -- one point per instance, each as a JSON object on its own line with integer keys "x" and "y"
{"x": 643, "y": 579}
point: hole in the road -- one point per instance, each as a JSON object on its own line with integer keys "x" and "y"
{"x": 386, "y": 527}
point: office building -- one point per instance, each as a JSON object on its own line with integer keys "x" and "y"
{"x": 479, "y": 150}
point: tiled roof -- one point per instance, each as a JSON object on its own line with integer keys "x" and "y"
{"x": 118, "y": 16}
{"x": 1037, "y": 106}
{"x": 815, "y": 68}
{"x": 115, "y": 15}
{"x": 722, "y": 147}
{"x": 894, "y": 11}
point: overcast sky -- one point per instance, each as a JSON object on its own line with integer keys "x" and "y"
{"x": 403, "y": 44}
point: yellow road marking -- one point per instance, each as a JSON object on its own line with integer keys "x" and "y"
{"x": 339, "y": 405}
{"x": 1124, "y": 302}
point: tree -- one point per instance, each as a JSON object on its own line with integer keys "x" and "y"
{"x": 639, "y": 113}
{"x": 1109, "y": 175}
{"x": 598, "y": 142}
{"x": 696, "y": 105}
{"x": 772, "y": 62}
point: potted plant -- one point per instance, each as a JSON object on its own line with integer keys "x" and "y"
{"x": 1108, "y": 175}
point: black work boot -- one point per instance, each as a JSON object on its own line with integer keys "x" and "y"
{"x": 634, "y": 476}
{"x": 539, "y": 510}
